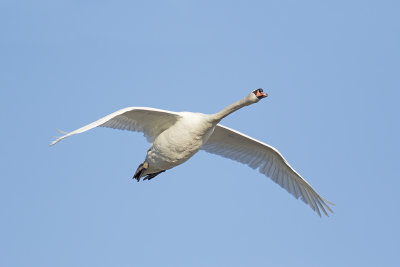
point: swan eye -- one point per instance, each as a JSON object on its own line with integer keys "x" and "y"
{"x": 259, "y": 93}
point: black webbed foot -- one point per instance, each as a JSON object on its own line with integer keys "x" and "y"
{"x": 152, "y": 175}
{"x": 139, "y": 171}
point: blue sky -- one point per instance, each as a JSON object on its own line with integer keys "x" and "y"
{"x": 331, "y": 69}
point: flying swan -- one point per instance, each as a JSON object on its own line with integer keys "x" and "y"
{"x": 177, "y": 136}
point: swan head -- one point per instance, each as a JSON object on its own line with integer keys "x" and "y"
{"x": 258, "y": 94}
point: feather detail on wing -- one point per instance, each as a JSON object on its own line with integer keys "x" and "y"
{"x": 150, "y": 121}
{"x": 234, "y": 145}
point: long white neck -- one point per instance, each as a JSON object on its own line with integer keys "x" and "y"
{"x": 248, "y": 100}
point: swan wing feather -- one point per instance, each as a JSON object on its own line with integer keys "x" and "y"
{"x": 150, "y": 121}
{"x": 237, "y": 146}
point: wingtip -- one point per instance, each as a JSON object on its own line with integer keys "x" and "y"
{"x": 330, "y": 203}
{"x": 53, "y": 142}
{"x": 61, "y": 131}
{"x": 58, "y": 139}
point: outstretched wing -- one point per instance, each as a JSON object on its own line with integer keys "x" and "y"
{"x": 150, "y": 121}
{"x": 234, "y": 145}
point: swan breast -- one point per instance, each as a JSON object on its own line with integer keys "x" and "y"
{"x": 181, "y": 141}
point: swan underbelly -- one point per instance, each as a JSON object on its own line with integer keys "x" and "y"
{"x": 180, "y": 142}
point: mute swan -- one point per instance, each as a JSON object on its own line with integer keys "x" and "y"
{"x": 177, "y": 136}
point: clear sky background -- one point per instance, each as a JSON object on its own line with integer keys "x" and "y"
{"x": 331, "y": 69}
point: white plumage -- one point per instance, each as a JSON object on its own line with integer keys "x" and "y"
{"x": 177, "y": 136}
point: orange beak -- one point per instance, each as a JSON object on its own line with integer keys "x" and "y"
{"x": 261, "y": 94}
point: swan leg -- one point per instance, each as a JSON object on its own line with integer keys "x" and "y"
{"x": 152, "y": 175}
{"x": 142, "y": 167}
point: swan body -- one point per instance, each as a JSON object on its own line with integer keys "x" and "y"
{"x": 176, "y": 136}
{"x": 180, "y": 142}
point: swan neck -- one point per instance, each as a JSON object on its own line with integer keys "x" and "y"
{"x": 232, "y": 108}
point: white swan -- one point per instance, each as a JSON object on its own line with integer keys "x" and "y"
{"x": 177, "y": 136}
